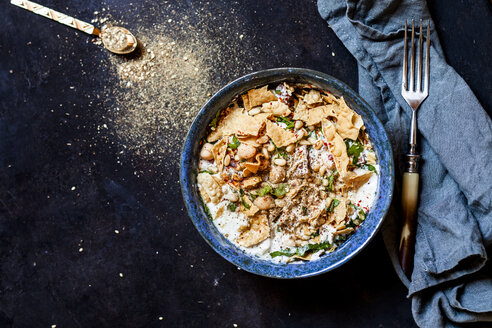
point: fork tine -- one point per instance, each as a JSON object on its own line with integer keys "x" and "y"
{"x": 427, "y": 59}
{"x": 412, "y": 59}
{"x": 405, "y": 61}
{"x": 419, "y": 67}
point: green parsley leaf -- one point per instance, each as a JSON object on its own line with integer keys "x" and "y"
{"x": 280, "y": 151}
{"x": 215, "y": 120}
{"x": 304, "y": 210}
{"x": 232, "y": 207}
{"x": 265, "y": 191}
{"x": 362, "y": 215}
{"x": 287, "y": 121}
{"x": 277, "y": 92}
{"x": 334, "y": 203}
{"x": 207, "y": 210}
{"x": 331, "y": 179}
{"x": 206, "y": 171}
{"x": 354, "y": 149}
{"x": 301, "y": 251}
{"x": 241, "y": 192}
{"x": 246, "y": 205}
{"x": 281, "y": 253}
{"x": 280, "y": 190}
{"x": 235, "y": 143}
{"x": 368, "y": 167}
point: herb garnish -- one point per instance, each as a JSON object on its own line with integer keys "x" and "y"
{"x": 265, "y": 191}
{"x": 301, "y": 251}
{"x": 331, "y": 179}
{"x": 235, "y": 143}
{"x": 280, "y": 190}
{"x": 215, "y": 120}
{"x": 304, "y": 210}
{"x": 207, "y": 210}
{"x": 354, "y": 149}
{"x": 281, "y": 151}
{"x": 232, "y": 207}
{"x": 246, "y": 205}
{"x": 281, "y": 253}
{"x": 334, "y": 203}
{"x": 206, "y": 171}
{"x": 289, "y": 124}
{"x": 368, "y": 167}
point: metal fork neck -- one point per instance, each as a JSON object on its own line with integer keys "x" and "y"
{"x": 413, "y": 158}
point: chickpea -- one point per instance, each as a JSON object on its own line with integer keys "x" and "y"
{"x": 262, "y": 140}
{"x": 322, "y": 171}
{"x": 264, "y": 203}
{"x": 298, "y": 125}
{"x": 280, "y": 202}
{"x": 206, "y": 152}
{"x": 245, "y": 151}
{"x": 280, "y": 161}
{"x": 265, "y": 153}
{"x": 227, "y": 160}
{"x": 271, "y": 148}
{"x": 255, "y": 111}
{"x": 277, "y": 174}
{"x": 290, "y": 148}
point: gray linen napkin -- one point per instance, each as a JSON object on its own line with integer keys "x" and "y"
{"x": 449, "y": 286}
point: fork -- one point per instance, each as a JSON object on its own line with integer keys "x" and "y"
{"x": 410, "y": 186}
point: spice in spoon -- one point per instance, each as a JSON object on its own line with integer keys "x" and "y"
{"x": 118, "y": 39}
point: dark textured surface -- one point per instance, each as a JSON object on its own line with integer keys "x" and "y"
{"x": 168, "y": 270}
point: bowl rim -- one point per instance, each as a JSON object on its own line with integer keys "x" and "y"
{"x": 282, "y": 73}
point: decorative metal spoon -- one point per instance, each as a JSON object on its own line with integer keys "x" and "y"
{"x": 116, "y": 39}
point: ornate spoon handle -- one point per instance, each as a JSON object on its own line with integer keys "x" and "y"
{"x": 57, "y": 16}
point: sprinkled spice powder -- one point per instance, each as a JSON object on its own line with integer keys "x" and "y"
{"x": 153, "y": 95}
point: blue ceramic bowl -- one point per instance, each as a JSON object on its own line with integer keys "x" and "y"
{"x": 191, "y": 195}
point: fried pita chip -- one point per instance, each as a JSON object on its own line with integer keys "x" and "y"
{"x": 219, "y": 151}
{"x": 259, "y": 96}
{"x": 252, "y": 167}
{"x": 330, "y": 99}
{"x": 312, "y": 97}
{"x": 249, "y": 140}
{"x": 246, "y": 102}
{"x": 343, "y": 231}
{"x": 250, "y": 182}
{"x": 340, "y": 211}
{"x": 219, "y": 212}
{"x": 279, "y": 136}
{"x": 312, "y": 116}
{"x": 371, "y": 157}
{"x": 248, "y": 211}
{"x": 207, "y": 184}
{"x": 345, "y": 121}
{"x": 239, "y": 123}
{"x": 259, "y": 231}
{"x": 277, "y": 108}
{"x": 354, "y": 180}
{"x": 337, "y": 147}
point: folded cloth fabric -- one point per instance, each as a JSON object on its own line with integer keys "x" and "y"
{"x": 449, "y": 286}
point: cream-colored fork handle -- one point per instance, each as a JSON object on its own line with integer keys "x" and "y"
{"x": 409, "y": 201}
{"x": 57, "y": 16}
